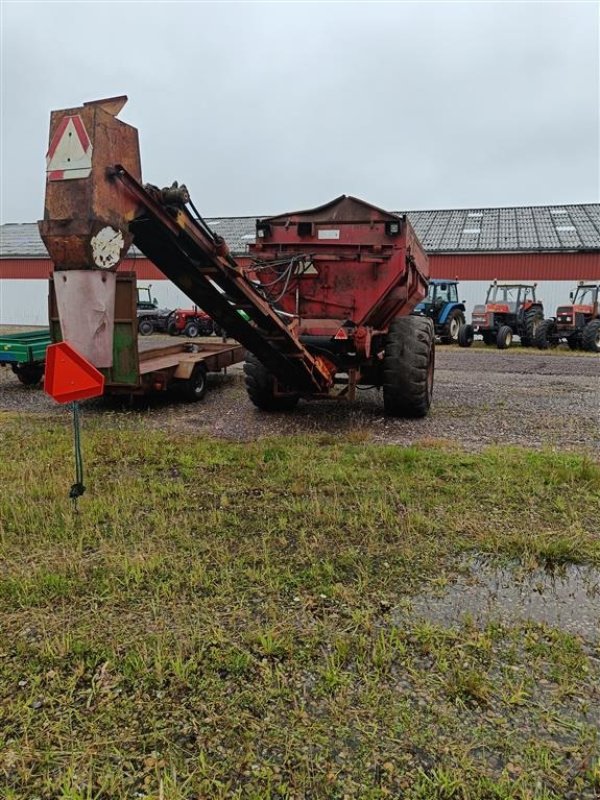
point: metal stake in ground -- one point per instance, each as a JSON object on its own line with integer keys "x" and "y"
{"x": 78, "y": 488}
{"x": 70, "y": 377}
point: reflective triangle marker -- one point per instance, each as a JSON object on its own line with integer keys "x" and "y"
{"x": 69, "y": 376}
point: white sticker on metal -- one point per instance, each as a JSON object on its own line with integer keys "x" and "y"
{"x": 70, "y": 152}
{"x": 328, "y": 234}
{"x": 106, "y": 247}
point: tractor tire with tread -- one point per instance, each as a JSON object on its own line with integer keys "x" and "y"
{"x": 452, "y": 327}
{"x": 408, "y": 367}
{"x": 145, "y": 327}
{"x": 590, "y": 338}
{"x": 191, "y": 330}
{"x": 465, "y": 335}
{"x": 574, "y": 341}
{"x": 195, "y": 387}
{"x": 545, "y": 335}
{"x": 260, "y": 385}
{"x": 533, "y": 319}
{"x": 29, "y": 374}
{"x": 504, "y": 337}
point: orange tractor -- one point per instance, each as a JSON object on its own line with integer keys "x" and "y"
{"x": 578, "y": 323}
{"x": 511, "y": 309}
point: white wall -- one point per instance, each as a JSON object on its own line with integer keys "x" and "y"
{"x": 551, "y": 293}
{"x": 24, "y": 302}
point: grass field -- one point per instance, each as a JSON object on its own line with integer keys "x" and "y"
{"x": 233, "y": 620}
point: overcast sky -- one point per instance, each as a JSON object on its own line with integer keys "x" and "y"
{"x": 266, "y": 107}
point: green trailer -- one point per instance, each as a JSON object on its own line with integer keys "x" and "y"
{"x": 25, "y": 354}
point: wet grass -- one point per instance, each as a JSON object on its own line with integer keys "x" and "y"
{"x": 218, "y": 620}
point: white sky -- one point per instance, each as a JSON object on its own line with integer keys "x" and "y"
{"x": 265, "y": 107}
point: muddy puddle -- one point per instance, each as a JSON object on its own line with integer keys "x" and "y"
{"x": 566, "y": 597}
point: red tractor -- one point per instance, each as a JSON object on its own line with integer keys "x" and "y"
{"x": 578, "y": 324}
{"x": 191, "y": 322}
{"x": 510, "y": 309}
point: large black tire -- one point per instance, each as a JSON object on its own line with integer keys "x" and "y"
{"x": 145, "y": 327}
{"x": 29, "y": 374}
{"x": 172, "y": 328}
{"x": 504, "y": 338}
{"x": 260, "y": 385}
{"x": 590, "y": 338}
{"x": 533, "y": 319}
{"x": 465, "y": 335}
{"x": 489, "y": 338}
{"x": 452, "y": 326}
{"x": 195, "y": 387}
{"x": 574, "y": 341}
{"x": 545, "y": 335}
{"x": 408, "y": 367}
{"x": 191, "y": 330}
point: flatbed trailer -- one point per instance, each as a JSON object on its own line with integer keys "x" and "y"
{"x": 140, "y": 365}
{"x": 25, "y": 354}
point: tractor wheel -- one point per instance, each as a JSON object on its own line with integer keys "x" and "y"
{"x": 29, "y": 374}
{"x": 452, "y": 326}
{"x": 590, "y": 339}
{"x": 408, "y": 366}
{"x": 489, "y": 338}
{"x": 145, "y": 327}
{"x": 545, "y": 335}
{"x": 260, "y": 385}
{"x": 195, "y": 387}
{"x": 504, "y": 338}
{"x": 532, "y": 321}
{"x": 574, "y": 341}
{"x": 191, "y": 330}
{"x": 465, "y": 335}
{"x": 172, "y": 328}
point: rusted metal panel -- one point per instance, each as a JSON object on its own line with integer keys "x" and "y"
{"x": 85, "y": 219}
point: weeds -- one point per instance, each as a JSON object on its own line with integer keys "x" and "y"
{"x": 220, "y": 620}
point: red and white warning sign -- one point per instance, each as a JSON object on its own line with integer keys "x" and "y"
{"x": 70, "y": 152}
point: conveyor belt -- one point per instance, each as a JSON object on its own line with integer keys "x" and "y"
{"x": 200, "y": 266}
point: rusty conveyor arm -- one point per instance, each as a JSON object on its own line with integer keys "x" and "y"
{"x": 197, "y": 264}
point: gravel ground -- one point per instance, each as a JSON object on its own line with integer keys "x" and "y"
{"x": 481, "y": 397}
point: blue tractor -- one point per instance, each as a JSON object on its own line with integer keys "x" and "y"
{"x": 442, "y": 306}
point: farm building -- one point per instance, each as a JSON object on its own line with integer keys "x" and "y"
{"x": 554, "y": 246}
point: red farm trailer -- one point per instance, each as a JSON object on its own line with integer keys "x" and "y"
{"x": 323, "y": 308}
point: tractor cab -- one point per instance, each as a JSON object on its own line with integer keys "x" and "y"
{"x": 509, "y": 298}
{"x": 585, "y": 299}
{"x": 443, "y": 307}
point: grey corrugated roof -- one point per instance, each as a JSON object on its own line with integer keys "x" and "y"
{"x": 569, "y": 227}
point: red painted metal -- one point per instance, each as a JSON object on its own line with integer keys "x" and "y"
{"x": 347, "y": 261}
{"x": 69, "y": 376}
{"x": 517, "y": 266}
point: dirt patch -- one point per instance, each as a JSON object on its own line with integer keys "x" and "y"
{"x": 481, "y": 398}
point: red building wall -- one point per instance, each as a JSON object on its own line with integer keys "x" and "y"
{"x": 466, "y": 267}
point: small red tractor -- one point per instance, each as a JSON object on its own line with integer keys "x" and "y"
{"x": 578, "y": 324}
{"x": 190, "y": 322}
{"x": 510, "y": 309}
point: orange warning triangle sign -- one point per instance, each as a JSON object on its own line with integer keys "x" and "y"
{"x": 69, "y": 376}
{"x": 70, "y": 152}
